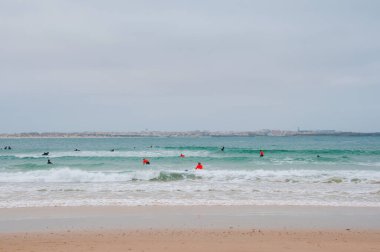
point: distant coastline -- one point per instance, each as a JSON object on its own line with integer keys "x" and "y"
{"x": 195, "y": 133}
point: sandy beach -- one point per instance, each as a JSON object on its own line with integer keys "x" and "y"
{"x": 193, "y": 240}
{"x": 196, "y": 228}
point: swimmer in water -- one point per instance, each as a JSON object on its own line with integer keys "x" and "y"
{"x": 222, "y": 149}
{"x": 261, "y": 153}
{"x": 199, "y": 166}
{"x": 49, "y": 162}
{"x": 146, "y": 161}
{"x": 182, "y": 155}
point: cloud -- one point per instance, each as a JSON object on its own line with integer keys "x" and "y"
{"x": 163, "y": 58}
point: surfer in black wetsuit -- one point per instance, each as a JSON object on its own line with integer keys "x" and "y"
{"x": 49, "y": 162}
{"x": 222, "y": 149}
{"x": 112, "y": 150}
{"x": 45, "y": 154}
{"x": 76, "y": 150}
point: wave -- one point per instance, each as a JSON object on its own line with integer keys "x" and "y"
{"x": 65, "y": 174}
{"x": 198, "y": 151}
{"x": 282, "y": 151}
{"x": 108, "y": 154}
{"x": 181, "y": 202}
{"x": 101, "y": 158}
{"x": 68, "y": 175}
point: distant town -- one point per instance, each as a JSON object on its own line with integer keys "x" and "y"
{"x": 195, "y": 133}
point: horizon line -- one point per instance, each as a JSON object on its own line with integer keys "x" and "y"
{"x": 211, "y": 132}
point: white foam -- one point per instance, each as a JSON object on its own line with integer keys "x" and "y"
{"x": 166, "y": 202}
{"x": 66, "y": 186}
{"x": 67, "y": 174}
{"x": 140, "y": 154}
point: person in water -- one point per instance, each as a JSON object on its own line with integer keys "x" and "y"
{"x": 76, "y": 150}
{"x": 112, "y": 150}
{"x": 261, "y": 153}
{"x": 182, "y": 155}
{"x": 199, "y": 166}
{"x": 146, "y": 161}
{"x": 45, "y": 153}
{"x": 49, "y": 162}
{"x": 222, "y": 149}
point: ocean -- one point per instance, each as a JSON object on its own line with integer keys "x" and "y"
{"x": 298, "y": 170}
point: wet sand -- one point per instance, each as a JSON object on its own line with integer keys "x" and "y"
{"x": 198, "y": 228}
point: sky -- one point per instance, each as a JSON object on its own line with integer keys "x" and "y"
{"x": 189, "y": 65}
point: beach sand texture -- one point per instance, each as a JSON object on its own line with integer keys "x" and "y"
{"x": 193, "y": 240}
{"x": 218, "y": 228}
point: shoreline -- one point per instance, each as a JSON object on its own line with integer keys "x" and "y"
{"x": 39, "y": 219}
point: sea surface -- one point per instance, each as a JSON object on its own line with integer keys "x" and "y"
{"x": 346, "y": 173}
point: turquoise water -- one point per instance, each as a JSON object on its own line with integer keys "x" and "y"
{"x": 347, "y": 171}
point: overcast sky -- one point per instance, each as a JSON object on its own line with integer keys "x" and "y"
{"x": 185, "y": 65}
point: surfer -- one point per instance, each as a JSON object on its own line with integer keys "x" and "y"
{"x": 318, "y": 156}
{"x": 199, "y": 166}
{"x": 112, "y": 150}
{"x": 49, "y": 162}
{"x": 146, "y": 161}
{"x": 76, "y": 150}
{"x": 182, "y": 155}
{"x": 45, "y": 154}
{"x": 222, "y": 149}
{"x": 261, "y": 153}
